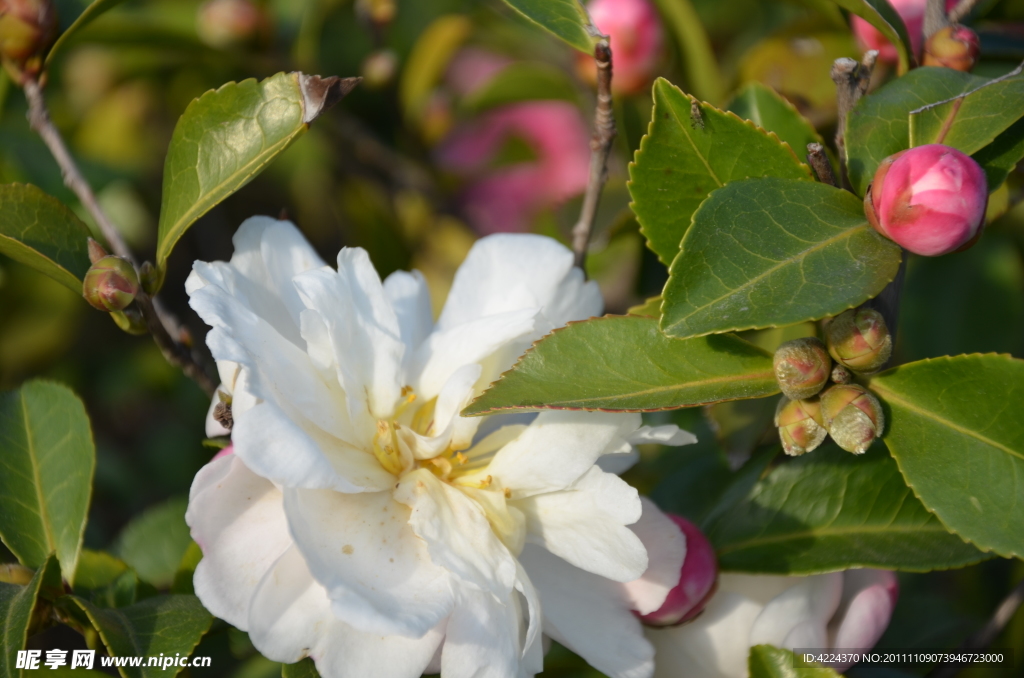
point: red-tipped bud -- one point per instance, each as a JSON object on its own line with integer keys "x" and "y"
{"x": 635, "y": 36}
{"x": 27, "y": 27}
{"x": 912, "y": 13}
{"x": 930, "y": 200}
{"x": 802, "y": 367}
{"x": 111, "y": 284}
{"x": 697, "y": 581}
{"x": 853, "y": 417}
{"x": 858, "y": 339}
{"x": 230, "y": 23}
{"x": 801, "y": 428}
{"x": 841, "y": 375}
{"x": 955, "y": 47}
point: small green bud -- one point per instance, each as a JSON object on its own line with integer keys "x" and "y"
{"x": 802, "y": 367}
{"x": 841, "y": 375}
{"x": 111, "y": 284}
{"x": 801, "y": 428}
{"x": 858, "y": 339}
{"x": 853, "y": 417}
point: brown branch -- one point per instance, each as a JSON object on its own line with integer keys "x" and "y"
{"x": 934, "y": 17}
{"x": 163, "y": 328}
{"x": 852, "y": 80}
{"x": 818, "y": 160}
{"x": 961, "y": 10}
{"x": 600, "y": 149}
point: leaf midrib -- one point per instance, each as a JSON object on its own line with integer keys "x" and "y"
{"x": 696, "y": 151}
{"x": 37, "y": 479}
{"x": 830, "y": 532}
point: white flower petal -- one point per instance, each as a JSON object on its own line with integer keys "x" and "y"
{"x": 482, "y": 638}
{"x": 410, "y": 297}
{"x": 590, "y": 615}
{"x": 666, "y": 550}
{"x": 378, "y": 574}
{"x": 238, "y": 521}
{"x": 804, "y": 609}
{"x": 455, "y": 395}
{"x": 869, "y": 597}
{"x": 587, "y": 525}
{"x": 669, "y": 434}
{"x": 457, "y": 533}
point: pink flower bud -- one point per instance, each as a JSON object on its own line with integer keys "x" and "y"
{"x": 930, "y": 200}
{"x": 697, "y": 580}
{"x": 634, "y": 32}
{"x": 853, "y": 417}
{"x": 912, "y": 13}
{"x": 801, "y": 428}
{"x": 110, "y": 284}
{"x": 858, "y": 339}
{"x": 955, "y": 47}
{"x": 802, "y": 367}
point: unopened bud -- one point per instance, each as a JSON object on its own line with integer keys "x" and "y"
{"x": 841, "y": 375}
{"x": 13, "y": 573}
{"x": 801, "y": 428}
{"x": 802, "y": 367}
{"x": 635, "y": 37}
{"x": 930, "y": 200}
{"x": 853, "y": 417}
{"x": 27, "y": 27}
{"x": 110, "y": 284}
{"x": 955, "y": 47}
{"x": 697, "y": 580}
{"x": 858, "y": 339}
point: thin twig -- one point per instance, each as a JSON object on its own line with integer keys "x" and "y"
{"x": 163, "y": 328}
{"x": 986, "y": 635}
{"x": 817, "y": 159}
{"x": 600, "y": 149}
{"x": 852, "y": 80}
{"x": 962, "y": 9}
{"x": 934, "y": 18}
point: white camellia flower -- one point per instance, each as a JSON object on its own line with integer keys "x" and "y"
{"x": 361, "y": 521}
{"x": 848, "y": 609}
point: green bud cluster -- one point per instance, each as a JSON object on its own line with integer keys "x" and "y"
{"x": 859, "y": 340}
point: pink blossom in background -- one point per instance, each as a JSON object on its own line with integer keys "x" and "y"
{"x": 912, "y": 13}
{"x": 634, "y": 30}
{"x": 471, "y": 68}
{"x": 506, "y": 199}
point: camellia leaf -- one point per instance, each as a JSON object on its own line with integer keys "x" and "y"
{"x": 881, "y": 15}
{"x": 768, "y": 661}
{"x": 1000, "y": 157}
{"x": 228, "y": 136}
{"x": 830, "y": 510}
{"x": 566, "y": 19}
{"x": 954, "y": 428}
{"x": 160, "y": 626}
{"x": 17, "y": 603}
{"x": 304, "y": 669}
{"x": 90, "y": 13}
{"x": 624, "y": 363}
{"x": 972, "y": 120}
{"x": 768, "y": 110}
{"x": 47, "y": 458}
{"x": 154, "y": 543}
{"x": 771, "y": 252}
{"x": 879, "y": 125}
{"x": 684, "y": 157}
{"x": 40, "y": 231}
{"x": 650, "y": 308}
{"x": 97, "y": 569}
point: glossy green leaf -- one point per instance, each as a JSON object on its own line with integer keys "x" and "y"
{"x": 684, "y": 158}
{"x": 771, "y": 252}
{"x": 525, "y": 81}
{"x": 40, "y": 231}
{"x": 955, "y": 430}
{"x": 650, "y": 308}
{"x": 879, "y": 124}
{"x": 163, "y": 625}
{"x": 625, "y": 363}
{"x": 16, "y": 606}
{"x": 768, "y": 110}
{"x": 302, "y": 669}
{"x": 699, "y": 61}
{"x": 97, "y": 569}
{"x": 881, "y": 15}
{"x": 87, "y": 16}
{"x": 830, "y": 510}
{"x": 740, "y": 485}
{"x": 1002, "y": 155}
{"x": 154, "y": 543}
{"x": 566, "y": 19}
{"x": 768, "y": 661}
{"x": 972, "y": 120}
{"x": 47, "y": 458}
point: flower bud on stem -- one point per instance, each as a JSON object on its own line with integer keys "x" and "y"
{"x": 955, "y": 47}
{"x": 858, "y": 339}
{"x": 853, "y": 417}
{"x": 801, "y": 427}
{"x": 697, "y": 580}
{"x": 802, "y": 367}
{"x": 27, "y": 28}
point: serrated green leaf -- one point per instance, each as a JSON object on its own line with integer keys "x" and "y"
{"x": 681, "y": 160}
{"x": 97, "y": 569}
{"x": 830, "y": 510}
{"x": 40, "y": 231}
{"x": 972, "y": 120}
{"x": 223, "y": 140}
{"x": 47, "y": 458}
{"x": 879, "y": 125}
{"x": 650, "y": 308}
{"x": 304, "y": 669}
{"x": 955, "y": 430}
{"x": 524, "y": 81}
{"x": 164, "y": 625}
{"x": 87, "y": 16}
{"x": 17, "y": 603}
{"x": 1001, "y": 156}
{"x": 768, "y": 110}
{"x": 882, "y": 16}
{"x": 566, "y": 19}
{"x": 699, "y": 62}
{"x": 624, "y": 363}
{"x": 154, "y": 543}
{"x": 768, "y": 661}
{"x": 770, "y": 252}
